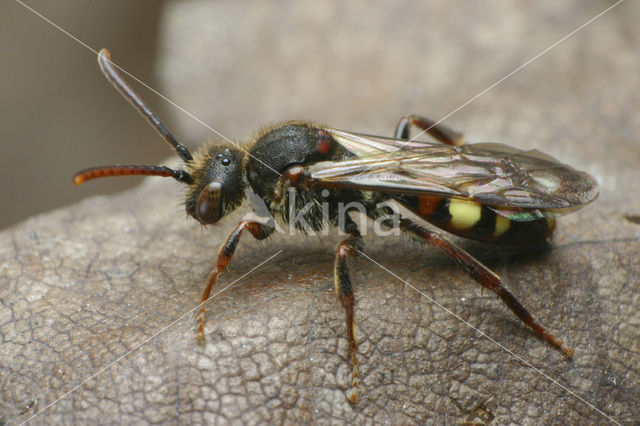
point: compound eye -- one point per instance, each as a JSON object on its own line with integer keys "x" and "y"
{"x": 209, "y": 205}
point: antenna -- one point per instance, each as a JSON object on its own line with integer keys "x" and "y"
{"x": 107, "y": 68}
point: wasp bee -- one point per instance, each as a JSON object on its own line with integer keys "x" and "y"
{"x": 488, "y": 192}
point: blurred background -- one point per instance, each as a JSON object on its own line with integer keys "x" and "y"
{"x": 58, "y": 114}
{"x": 238, "y": 66}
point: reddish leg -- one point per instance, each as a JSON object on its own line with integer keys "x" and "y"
{"x": 259, "y": 232}
{"x": 344, "y": 289}
{"x": 440, "y": 132}
{"x": 483, "y": 275}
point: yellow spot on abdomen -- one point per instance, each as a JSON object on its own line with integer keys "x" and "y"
{"x": 464, "y": 213}
{"x": 502, "y": 225}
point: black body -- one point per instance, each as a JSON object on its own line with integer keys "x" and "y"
{"x": 294, "y": 144}
{"x": 330, "y": 172}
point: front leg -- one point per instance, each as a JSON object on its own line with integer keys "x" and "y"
{"x": 259, "y": 232}
{"x": 293, "y": 177}
{"x": 344, "y": 289}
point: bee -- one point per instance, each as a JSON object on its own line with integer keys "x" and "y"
{"x": 488, "y": 192}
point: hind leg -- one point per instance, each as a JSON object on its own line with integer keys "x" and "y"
{"x": 438, "y": 131}
{"x": 483, "y": 275}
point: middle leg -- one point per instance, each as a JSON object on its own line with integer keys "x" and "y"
{"x": 344, "y": 290}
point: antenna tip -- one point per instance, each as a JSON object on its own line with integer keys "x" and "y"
{"x": 78, "y": 179}
{"x": 105, "y": 53}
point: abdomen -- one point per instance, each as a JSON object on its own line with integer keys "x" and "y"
{"x": 471, "y": 219}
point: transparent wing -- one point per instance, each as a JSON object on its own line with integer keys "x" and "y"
{"x": 496, "y": 175}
